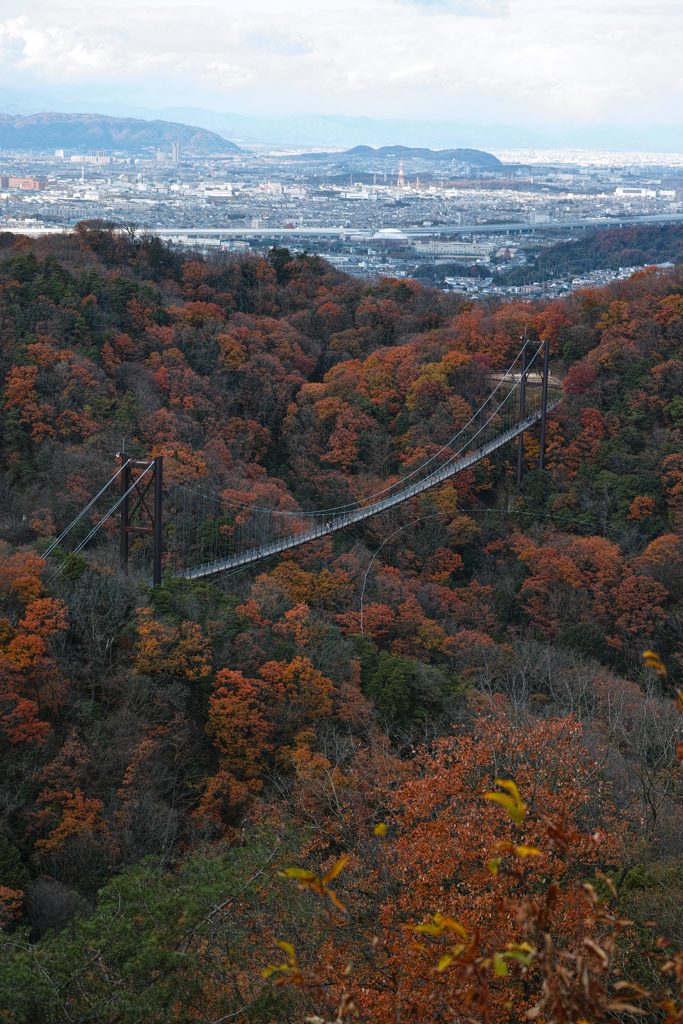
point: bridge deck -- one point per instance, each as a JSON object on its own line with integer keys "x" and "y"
{"x": 340, "y": 522}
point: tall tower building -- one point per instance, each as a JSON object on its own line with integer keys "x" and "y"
{"x": 176, "y": 152}
{"x": 400, "y": 174}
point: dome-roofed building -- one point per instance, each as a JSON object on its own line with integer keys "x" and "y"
{"x": 390, "y": 236}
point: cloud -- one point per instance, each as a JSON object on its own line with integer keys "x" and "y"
{"x": 468, "y": 8}
{"x": 571, "y": 60}
{"x": 275, "y": 44}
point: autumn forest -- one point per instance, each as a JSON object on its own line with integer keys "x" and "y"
{"x": 237, "y": 799}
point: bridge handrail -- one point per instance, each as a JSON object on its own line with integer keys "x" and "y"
{"x": 506, "y": 375}
{"x": 347, "y": 519}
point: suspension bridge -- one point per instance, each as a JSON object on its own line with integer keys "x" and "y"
{"x": 199, "y": 533}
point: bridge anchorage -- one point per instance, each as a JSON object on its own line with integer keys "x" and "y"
{"x": 199, "y": 533}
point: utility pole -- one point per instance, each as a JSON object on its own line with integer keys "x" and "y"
{"x": 544, "y": 400}
{"x": 522, "y": 409}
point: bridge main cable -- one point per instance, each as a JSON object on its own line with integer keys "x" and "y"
{"x": 253, "y": 555}
{"x": 331, "y": 511}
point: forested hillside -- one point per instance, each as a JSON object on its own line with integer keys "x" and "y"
{"x": 181, "y": 765}
{"x": 635, "y": 246}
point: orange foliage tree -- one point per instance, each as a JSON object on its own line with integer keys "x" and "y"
{"x": 453, "y": 910}
{"x": 30, "y": 680}
{"x": 183, "y": 652}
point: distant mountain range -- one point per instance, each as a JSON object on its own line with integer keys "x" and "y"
{"x": 340, "y": 131}
{"x": 336, "y": 130}
{"x": 86, "y": 132}
{"x": 44, "y": 132}
{"x": 464, "y": 156}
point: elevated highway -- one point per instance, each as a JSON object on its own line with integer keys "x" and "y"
{"x": 330, "y": 231}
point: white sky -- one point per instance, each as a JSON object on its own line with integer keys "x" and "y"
{"x": 504, "y": 61}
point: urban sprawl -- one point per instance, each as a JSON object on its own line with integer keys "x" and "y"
{"x": 369, "y": 215}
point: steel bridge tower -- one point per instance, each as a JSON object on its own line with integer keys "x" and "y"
{"x": 151, "y": 524}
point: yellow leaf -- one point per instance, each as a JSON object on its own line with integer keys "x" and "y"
{"x": 381, "y": 829}
{"x": 514, "y": 810}
{"x": 527, "y": 851}
{"x": 444, "y": 962}
{"x": 493, "y": 865}
{"x": 499, "y": 965}
{"x": 654, "y": 661}
{"x": 335, "y": 869}
{"x": 273, "y": 970}
{"x": 449, "y": 922}
{"x": 511, "y": 788}
{"x": 524, "y": 958}
{"x": 288, "y": 948}
{"x": 337, "y": 903}
{"x": 301, "y": 873}
{"x": 514, "y": 805}
{"x": 429, "y": 929}
{"x": 500, "y": 798}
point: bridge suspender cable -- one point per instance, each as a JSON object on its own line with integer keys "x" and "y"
{"x": 250, "y": 528}
{"x": 231, "y": 534}
{"x": 339, "y": 509}
{"x": 258, "y": 553}
{"x": 414, "y": 472}
{"x": 522, "y": 410}
{"x": 544, "y": 401}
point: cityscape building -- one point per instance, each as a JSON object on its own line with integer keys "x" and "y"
{"x": 445, "y": 222}
{"x": 92, "y": 159}
{"x": 464, "y": 249}
{"x": 27, "y": 183}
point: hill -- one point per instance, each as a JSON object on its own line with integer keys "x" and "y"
{"x": 632, "y": 246}
{"x": 85, "y": 132}
{"x": 173, "y": 756}
{"x": 477, "y": 157}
